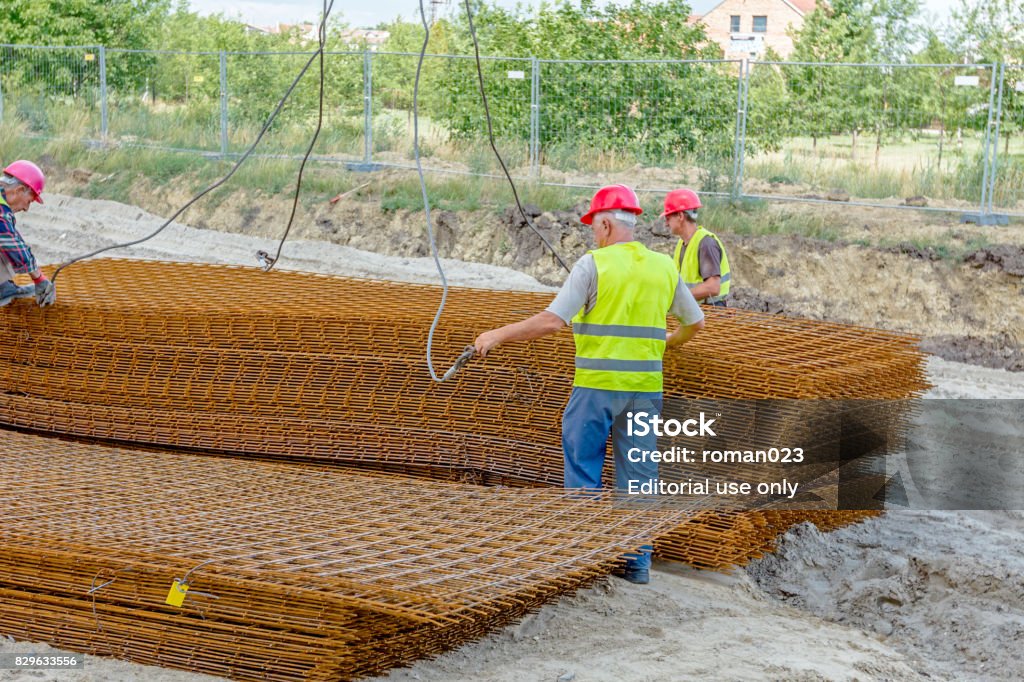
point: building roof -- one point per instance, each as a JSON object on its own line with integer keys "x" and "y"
{"x": 803, "y": 7}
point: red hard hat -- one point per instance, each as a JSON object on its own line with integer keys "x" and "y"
{"x": 680, "y": 200}
{"x": 611, "y": 198}
{"x": 29, "y": 175}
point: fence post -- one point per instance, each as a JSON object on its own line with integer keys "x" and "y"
{"x": 984, "y": 216}
{"x": 103, "y": 93}
{"x": 997, "y": 117}
{"x": 1, "y": 100}
{"x": 534, "y": 117}
{"x": 367, "y": 107}
{"x": 740, "y": 139}
{"x": 223, "y": 104}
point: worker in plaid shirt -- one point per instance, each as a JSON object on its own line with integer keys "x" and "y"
{"x": 21, "y": 183}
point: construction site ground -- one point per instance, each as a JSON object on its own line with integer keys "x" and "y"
{"x": 908, "y": 596}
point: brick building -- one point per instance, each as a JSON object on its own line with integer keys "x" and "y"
{"x": 744, "y": 28}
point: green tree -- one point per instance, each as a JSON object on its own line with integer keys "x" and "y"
{"x": 992, "y": 31}
{"x": 988, "y": 30}
{"x": 944, "y": 105}
{"x": 856, "y": 99}
{"x": 130, "y": 24}
{"x": 660, "y": 111}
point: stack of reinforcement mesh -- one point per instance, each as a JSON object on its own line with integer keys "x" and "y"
{"x": 323, "y": 370}
{"x": 330, "y": 369}
{"x": 292, "y": 572}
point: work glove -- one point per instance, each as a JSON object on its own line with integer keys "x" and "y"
{"x": 46, "y": 293}
{"x": 9, "y": 291}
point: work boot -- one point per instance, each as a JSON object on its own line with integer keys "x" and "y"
{"x": 637, "y": 576}
{"x": 9, "y": 291}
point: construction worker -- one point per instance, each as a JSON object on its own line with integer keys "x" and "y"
{"x": 616, "y": 298}
{"x": 22, "y": 183}
{"x": 700, "y": 256}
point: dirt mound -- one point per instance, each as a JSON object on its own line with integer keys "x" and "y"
{"x": 1003, "y": 257}
{"x": 748, "y": 298}
{"x": 999, "y": 352}
{"x": 942, "y": 587}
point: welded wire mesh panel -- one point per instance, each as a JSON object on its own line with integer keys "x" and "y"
{"x": 453, "y": 127}
{"x": 877, "y": 133}
{"x": 123, "y": 356}
{"x": 293, "y": 572}
{"x": 164, "y": 99}
{"x": 651, "y": 124}
{"x": 257, "y": 81}
{"x": 1008, "y": 177}
{"x": 53, "y": 91}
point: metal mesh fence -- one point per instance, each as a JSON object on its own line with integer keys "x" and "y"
{"x": 52, "y": 90}
{"x": 452, "y": 123}
{"x": 164, "y": 99}
{"x": 877, "y": 134}
{"x": 942, "y": 137}
{"x": 255, "y": 83}
{"x": 1007, "y": 193}
{"x": 676, "y": 120}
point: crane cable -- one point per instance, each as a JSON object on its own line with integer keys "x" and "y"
{"x": 469, "y": 351}
{"x": 248, "y": 152}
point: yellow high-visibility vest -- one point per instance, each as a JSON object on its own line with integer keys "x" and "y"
{"x": 621, "y": 341}
{"x": 689, "y": 264}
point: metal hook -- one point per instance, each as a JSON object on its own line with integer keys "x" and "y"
{"x": 265, "y": 260}
{"x": 467, "y": 354}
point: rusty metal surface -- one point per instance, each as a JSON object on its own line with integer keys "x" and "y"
{"x": 326, "y": 371}
{"x": 323, "y": 368}
{"x": 293, "y": 570}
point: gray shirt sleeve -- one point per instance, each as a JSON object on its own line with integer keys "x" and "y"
{"x": 684, "y": 306}
{"x": 579, "y": 291}
{"x": 709, "y": 255}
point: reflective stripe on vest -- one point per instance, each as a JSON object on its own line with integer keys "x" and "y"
{"x": 689, "y": 265}
{"x": 621, "y": 340}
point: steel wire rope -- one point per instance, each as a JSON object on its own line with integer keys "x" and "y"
{"x": 494, "y": 148}
{"x": 271, "y": 262}
{"x": 426, "y": 205}
{"x": 469, "y": 352}
{"x": 248, "y": 152}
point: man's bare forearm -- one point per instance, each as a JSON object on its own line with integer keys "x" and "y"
{"x": 683, "y": 334}
{"x": 541, "y": 324}
{"x": 709, "y": 287}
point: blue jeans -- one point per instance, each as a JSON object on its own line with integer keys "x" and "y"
{"x": 591, "y": 415}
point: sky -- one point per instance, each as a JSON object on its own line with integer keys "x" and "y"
{"x": 363, "y": 14}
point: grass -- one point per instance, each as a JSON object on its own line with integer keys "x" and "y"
{"x": 117, "y": 170}
{"x": 903, "y": 169}
{"x": 468, "y": 193}
{"x": 753, "y": 218}
{"x": 946, "y": 249}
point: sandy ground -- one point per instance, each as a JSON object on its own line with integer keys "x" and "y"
{"x": 909, "y": 596}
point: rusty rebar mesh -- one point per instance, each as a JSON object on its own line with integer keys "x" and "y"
{"x": 330, "y": 369}
{"x": 293, "y": 570}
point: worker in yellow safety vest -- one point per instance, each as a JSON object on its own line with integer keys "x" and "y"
{"x": 616, "y": 298}
{"x": 700, "y": 256}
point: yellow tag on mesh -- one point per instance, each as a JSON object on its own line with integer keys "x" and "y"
{"x": 176, "y": 597}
